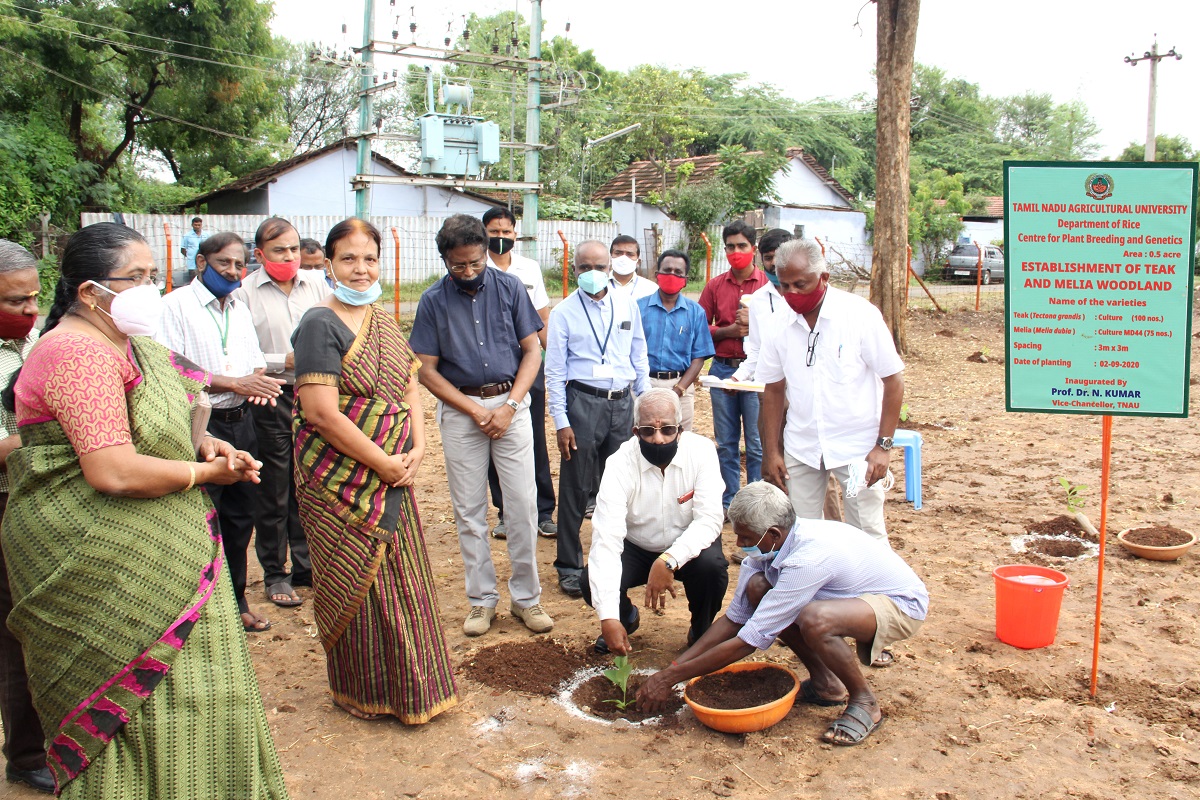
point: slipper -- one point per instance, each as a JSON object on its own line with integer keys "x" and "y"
{"x": 886, "y": 659}
{"x": 284, "y": 587}
{"x": 258, "y": 626}
{"x": 354, "y": 712}
{"x": 809, "y": 695}
{"x": 854, "y": 724}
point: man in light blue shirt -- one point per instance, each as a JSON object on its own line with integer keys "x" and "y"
{"x": 595, "y": 365}
{"x": 191, "y": 246}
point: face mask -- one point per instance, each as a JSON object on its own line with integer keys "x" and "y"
{"x": 469, "y": 284}
{"x": 624, "y": 265}
{"x": 353, "y": 297}
{"x": 136, "y": 311}
{"x": 672, "y": 284}
{"x": 660, "y": 455}
{"x": 755, "y": 551}
{"x": 217, "y": 283}
{"x": 773, "y": 278}
{"x": 804, "y": 303}
{"x": 500, "y": 244}
{"x": 740, "y": 260}
{"x": 15, "y": 326}
{"x": 282, "y": 271}
{"x": 593, "y": 281}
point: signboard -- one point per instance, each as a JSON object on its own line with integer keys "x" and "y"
{"x": 1099, "y": 261}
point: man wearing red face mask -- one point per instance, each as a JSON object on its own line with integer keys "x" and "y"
{"x": 677, "y": 338}
{"x": 277, "y": 296}
{"x": 835, "y": 364}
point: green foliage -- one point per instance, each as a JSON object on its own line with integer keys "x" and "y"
{"x": 561, "y": 208}
{"x": 935, "y": 215}
{"x": 48, "y": 278}
{"x": 1074, "y": 492}
{"x": 750, "y": 175}
{"x": 1166, "y": 148}
{"x": 904, "y": 412}
{"x": 619, "y": 676}
{"x": 40, "y": 173}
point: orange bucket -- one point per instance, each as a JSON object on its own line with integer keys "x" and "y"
{"x": 1028, "y": 600}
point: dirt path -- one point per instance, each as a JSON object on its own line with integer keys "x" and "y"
{"x": 968, "y": 717}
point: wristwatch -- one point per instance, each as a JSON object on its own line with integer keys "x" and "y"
{"x": 515, "y": 406}
{"x": 671, "y": 563}
{"x": 884, "y": 442}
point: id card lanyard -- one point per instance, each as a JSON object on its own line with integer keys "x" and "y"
{"x": 602, "y": 345}
{"x": 224, "y": 336}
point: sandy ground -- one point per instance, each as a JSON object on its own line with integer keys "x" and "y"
{"x": 967, "y": 716}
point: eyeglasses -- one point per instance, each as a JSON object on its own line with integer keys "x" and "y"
{"x": 140, "y": 280}
{"x": 646, "y": 431}
{"x": 474, "y": 266}
{"x": 812, "y": 346}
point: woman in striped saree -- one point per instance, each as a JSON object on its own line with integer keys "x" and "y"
{"x": 360, "y": 438}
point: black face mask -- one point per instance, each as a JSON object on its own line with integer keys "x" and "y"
{"x": 469, "y": 284}
{"x": 660, "y": 455}
{"x": 500, "y": 244}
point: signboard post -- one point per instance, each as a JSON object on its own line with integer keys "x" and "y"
{"x": 1099, "y": 264}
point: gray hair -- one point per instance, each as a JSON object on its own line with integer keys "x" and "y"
{"x": 761, "y": 505}
{"x": 579, "y": 248}
{"x": 14, "y": 257}
{"x": 657, "y": 398}
{"x": 806, "y": 247}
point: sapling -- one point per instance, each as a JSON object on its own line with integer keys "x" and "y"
{"x": 619, "y": 676}
{"x": 1074, "y": 494}
{"x": 904, "y": 412}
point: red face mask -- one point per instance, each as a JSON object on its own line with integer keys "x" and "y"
{"x": 282, "y": 271}
{"x": 15, "y": 326}
{"x": 804, "y": 303}
{"x": 740, "y": 260}
{"x": 672, "y": 284}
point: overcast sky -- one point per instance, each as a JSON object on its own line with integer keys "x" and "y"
{"x": 813, "y": 49}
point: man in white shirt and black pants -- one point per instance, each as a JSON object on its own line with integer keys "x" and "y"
{"x": 658, "y": 517}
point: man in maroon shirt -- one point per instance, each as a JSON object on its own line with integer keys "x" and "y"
{"x": 734, "y": 413}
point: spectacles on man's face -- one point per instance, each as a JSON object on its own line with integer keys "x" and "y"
{"x": 474, "y": 267}
{"x": 647, "y": 431}
{"x": 812, "y": 346}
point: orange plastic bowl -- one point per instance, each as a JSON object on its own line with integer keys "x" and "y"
{"x": 746, "y": 720}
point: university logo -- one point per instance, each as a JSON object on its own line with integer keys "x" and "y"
{"x": 1099, "y": 187}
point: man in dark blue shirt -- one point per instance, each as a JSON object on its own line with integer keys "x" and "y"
{"x": 476, "y": 334}
{"x": 678, "y": 341}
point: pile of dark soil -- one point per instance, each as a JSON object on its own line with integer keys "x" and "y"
{"x": 728, "y": 690}
{"x": 1061, "y": 525}
{"x": 1158, "y": 536}
{"x": 1056, "y": 548}
{"x": 593, "y": 695}
{"x": 535, "y": 666}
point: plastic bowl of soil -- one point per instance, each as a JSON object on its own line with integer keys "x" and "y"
{"x": 744, "y": 697}
{"x": 1157, "y": 542}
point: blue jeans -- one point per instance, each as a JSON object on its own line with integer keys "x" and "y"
{"x": 735, "y": 413}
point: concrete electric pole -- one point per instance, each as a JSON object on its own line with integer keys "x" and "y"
{"x": 362, "y": 195}
{"x": 1153, "y": 56}
{"x": 533, "y": 130}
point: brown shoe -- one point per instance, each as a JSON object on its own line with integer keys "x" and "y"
{"x": 534, "y": 617}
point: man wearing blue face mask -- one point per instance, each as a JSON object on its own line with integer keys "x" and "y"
{"x": 595, "y": 364}
{"x": 204, "y": 323}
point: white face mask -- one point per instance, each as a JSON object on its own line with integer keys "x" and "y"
{"x": 136, "y": 311}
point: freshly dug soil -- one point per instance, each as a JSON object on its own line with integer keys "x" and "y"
{"x": 536, "y": 666}
{"x": 729, "y": 690}
{"x": 592, "y": 694}
{"x": 1062, "y": 524}
{"x": 1158, "y": 536}
{"x": 1056, "y": 548}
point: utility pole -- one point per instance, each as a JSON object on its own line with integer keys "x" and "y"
{"x": 1153, "y": 56}
{"x": 362, "y": 194}
{"x": 533, "y": 131}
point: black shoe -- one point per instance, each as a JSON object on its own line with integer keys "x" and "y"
{"x": 569, "y": 585}
{"x": 39, "y": 779}
{"x": 634, "y": 622}
{"x": 302, "y": 579}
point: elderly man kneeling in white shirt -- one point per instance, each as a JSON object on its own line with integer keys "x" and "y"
{"x": 658, "y": 517}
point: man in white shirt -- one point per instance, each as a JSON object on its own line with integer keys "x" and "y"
{"x": 626, "y": 258}
{"x": 658, "y": 517}
{"x": 766, "y": 305}
{"x": 832, "y": 371}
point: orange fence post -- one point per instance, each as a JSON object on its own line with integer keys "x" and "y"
{"x": 566, "y": 261}
{"x": 818, "y": 241}
{"x": 978, "y": 272}
{"x": 170, "y": 277}
{"x": 1105, "y": 462}
{"x": 396, "y": 286}
{"x": 707, "y": 257}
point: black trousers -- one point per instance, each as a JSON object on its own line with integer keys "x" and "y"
{"x": 705, "y": 579}
{"x": 278, "y": 520}
{"x": 541, "y": 456}
{"x": 235, "y": 504}
{"x": 24, "y": 742}
{"x": 600, "y": 426}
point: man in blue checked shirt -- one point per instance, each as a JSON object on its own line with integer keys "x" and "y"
{"x": 678, "y": 341}
{"x": 595, "y": 366}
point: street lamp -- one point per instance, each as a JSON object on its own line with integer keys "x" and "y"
{"x": 592, "y": 142}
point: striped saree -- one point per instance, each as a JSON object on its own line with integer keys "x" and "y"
{"x": 373, "y": 592}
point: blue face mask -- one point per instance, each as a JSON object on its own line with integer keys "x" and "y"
{"x": 773, "y": 278}
{"x": 754, "y": 551}
{"x": 217, "y": 283}
{"x": 593, "y": 281}
{"x": 353, "y": 297}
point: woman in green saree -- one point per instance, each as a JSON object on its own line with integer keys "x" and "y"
{"x": 360, "y": 437}
{"x": 136, "y": 656}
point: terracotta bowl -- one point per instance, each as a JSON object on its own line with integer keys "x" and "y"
{"x": 746, "y": 720}
{"x": 1155, "y": 553}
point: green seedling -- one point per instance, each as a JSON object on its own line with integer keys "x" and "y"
{"x": 904, "y": 412}
{"x": 1074, "y": 494}
{"x": 619, "y": 676}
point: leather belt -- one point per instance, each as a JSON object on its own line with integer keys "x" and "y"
{"x": 230, "y": 414}
{"x": 666, "y": 376}
{"x": 607, "y": 394}
{"x": 730, "y": 362}
{"x": 487, "y": 390}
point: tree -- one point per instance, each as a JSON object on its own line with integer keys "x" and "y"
{"x": 1166, "y": 148}
{"x": 751, "y": 176}
{"x": 318, "y": 105}
{"x": 935, "y": 218}
{"x": 896, "y": 41}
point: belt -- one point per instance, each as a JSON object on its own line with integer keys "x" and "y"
{"x": 230, "y": 414}
{"x": 487, "y": 390}
{"x": 730, "y": 362}
{"x": 666, "y": 376}
{"x": 607, "y": 394}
